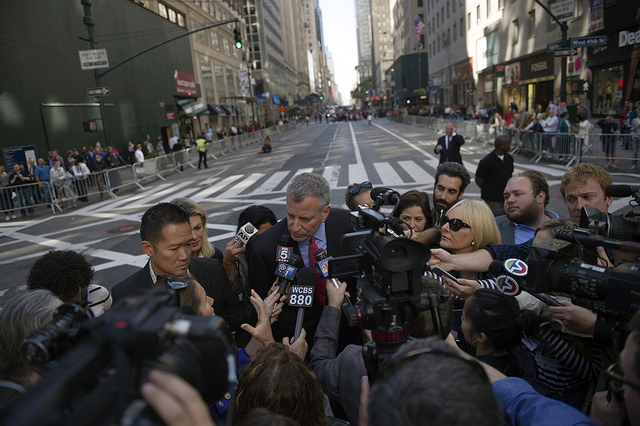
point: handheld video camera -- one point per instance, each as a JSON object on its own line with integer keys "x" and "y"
{"x": 98, "y": 380}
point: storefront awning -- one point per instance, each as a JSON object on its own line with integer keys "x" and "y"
{"x": 239, "y": 110}
{"x": 216, "y": 110}
{"x": 275, "y": 99}
{"x": 191, "y": 107}
{"x": 227, "y": 109}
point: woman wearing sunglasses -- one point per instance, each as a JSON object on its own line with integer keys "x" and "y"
{"x": 358, "y": 194}
{"x": 467, "y": 226}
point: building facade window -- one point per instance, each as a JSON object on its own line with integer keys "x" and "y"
{"x": 516, "y": 31}
{"x": 468, "y": 21}
{"x": 532, "y": 23}
{"x": 488, "y": 8}
{"x": 478, "y": 15}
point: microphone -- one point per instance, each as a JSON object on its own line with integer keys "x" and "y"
{"x": 621, "y": 190}
{"x": 286, "y": 272}
{"x": 285, "y": 248}
{"x": 302, "y": 296}
{"x": 245, "y": 234}
{"x": 510, "y": 275}
{"x": 322, "y": 268}
{"x": 384, "y": 197}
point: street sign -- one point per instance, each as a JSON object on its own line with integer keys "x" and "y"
{"x": 93, "y": 59}
{"x": 564, "y": 52}
{"x": 563, "y": 10}
{"x": 589, "y": 41}
{"x": 551, "y": 47}
{"x": 98, "y": 91}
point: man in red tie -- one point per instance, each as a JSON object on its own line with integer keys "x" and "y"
{"x": 312, "y": 224}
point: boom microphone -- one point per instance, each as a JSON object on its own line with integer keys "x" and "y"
{"x": 302, "y": 296}
{"x": 286, "y": 272}
{"x": 322, "y": 269}
{"x": 621, "y": 190}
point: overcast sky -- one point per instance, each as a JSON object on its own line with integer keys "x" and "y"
{"x": 339, "y": 22}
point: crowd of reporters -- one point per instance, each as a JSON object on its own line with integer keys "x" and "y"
{"x": 508, "y": 358}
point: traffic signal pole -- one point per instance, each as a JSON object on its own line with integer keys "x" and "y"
{"x": 88, "y": 21}
{"x": 563, "y": 44}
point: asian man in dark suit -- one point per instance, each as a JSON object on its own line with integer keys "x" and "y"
{"x": 166, "y": 238}
{"x": 449, "y": 145}
{"x": 309, "y": 216}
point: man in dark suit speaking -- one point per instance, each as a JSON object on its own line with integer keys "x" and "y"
{"x": 166, "y": 238}
{"x": 449, "y": 145}
{"x": 312, "y": 224}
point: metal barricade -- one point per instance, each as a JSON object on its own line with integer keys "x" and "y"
{"x": 25, "y": 198}
{"x": 144, "y": 171}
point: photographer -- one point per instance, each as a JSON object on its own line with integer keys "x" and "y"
{"x": 23, "y": 315}
{"x": 340, "y": 373}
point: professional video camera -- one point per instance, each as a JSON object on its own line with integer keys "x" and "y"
{"x": 389, "y": 272}
{"x": 608, "y": 225}
{"x": 97, "y": 382}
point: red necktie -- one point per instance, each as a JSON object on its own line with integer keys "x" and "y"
{"x": 321, "y": 283}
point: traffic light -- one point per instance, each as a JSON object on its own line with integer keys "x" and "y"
{"x": 236, "y": 37}
{"x": 321, "y": 97}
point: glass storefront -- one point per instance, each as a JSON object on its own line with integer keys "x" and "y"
{"x": 607, "y": 97}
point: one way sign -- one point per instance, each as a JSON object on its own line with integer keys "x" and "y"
{"x": 98, "y": 91}
{"x": 564, "y": 52}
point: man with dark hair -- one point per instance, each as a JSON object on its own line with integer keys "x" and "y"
{"x": 450, "y": 182}
{"x": 63, "y": 272}
{"x": 493, "y": 172}
{"x": 340, "y": 373}
{"x": 525, "y": 198}
{"x": 430, "y": 379}
{"x": 312, "y": 224}
{"x": 166, "y": 238}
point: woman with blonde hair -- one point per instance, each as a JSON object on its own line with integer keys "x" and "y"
{"x": 468, "y": 226}
{"x": 200, "y": 247}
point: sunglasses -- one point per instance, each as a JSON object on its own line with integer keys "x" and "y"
{"x": 616, "y": 379}
{"x": 355, "y": 189}
{"x": 454, "y": 224}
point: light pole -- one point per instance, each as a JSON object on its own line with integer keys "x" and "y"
{"x": 563, "y": 45}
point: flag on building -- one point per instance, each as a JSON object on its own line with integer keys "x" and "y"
{"x": 418, "y": 27}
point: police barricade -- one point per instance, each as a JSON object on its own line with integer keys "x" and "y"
{"x": 181, "y": 159}
{"x": 144, "y": 171}
{"x": 119, "y": 177}
{"x": 619, "y": 146}
{"x": 25, "y": 198}
{"x": 565, "y": 147}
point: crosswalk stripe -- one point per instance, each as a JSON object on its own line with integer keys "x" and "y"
{"x": 331, "y": 174}
{"x": 387, "y": 174}
{"x": 244, "y": 184}
{"x": 416, "y": 172}
{"x": 201, "y": 195}
{"x": 357, "y": 173}
{"x": 271, "y": 182}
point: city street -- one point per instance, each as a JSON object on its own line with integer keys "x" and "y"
{"x": 386, "y": 153}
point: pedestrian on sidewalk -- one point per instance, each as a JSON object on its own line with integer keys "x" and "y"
{"x": 448, "y": 146}
{"x": 609, "y": 128}
{"x": 201, "y": 143}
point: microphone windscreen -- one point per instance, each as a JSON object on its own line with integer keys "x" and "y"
{"x": 496, "y": 267}
{"x": 618, "y": 191}
{"x": 306, "y": 276}
{"x": 250, "y": 228}
{"x": 377, "y": 191}
{"x": 285, "y": 240}
{"x": 296, "y": 260}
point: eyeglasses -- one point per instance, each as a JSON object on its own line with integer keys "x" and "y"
{"x": 355, "y": 189}
{"x": 454, "y": 224}
{"x": 616, "y": 379}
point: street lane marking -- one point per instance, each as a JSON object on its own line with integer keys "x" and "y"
{"x": 331, "y": 174}
{"x": 387, "y": 174}
{"x": 271, "y": 182}
{"x": 357, "y": 173}
{"x": 418, "y": 173}
{"x": 201, "y": 195}
{"x": 356, "y": 148}
{"x": 244, "y": 184}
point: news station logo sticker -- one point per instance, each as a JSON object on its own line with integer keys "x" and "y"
{"x": 516, "y": 267}
{"x": 508, "y": 285}
{"x": 284, "y": 254}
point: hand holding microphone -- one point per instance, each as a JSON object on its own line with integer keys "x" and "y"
{"x": 286, "y": 272}
{"x": 322, "y": 269}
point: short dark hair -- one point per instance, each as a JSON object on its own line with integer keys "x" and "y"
{"x": 257, "y": 216}
{"x": 440, "y": 384}
{"x": 280, "y": 381}
{"x": 186, "y": 296}
{"x": 538, "y": 183}
{"x": 415, "y": 198}
{"x": 159, "y": 216}
{"x": 454, "y": 170}
{"x": 634, "y": 325}
{"x": 63, "y": 272}
{"x": 500, "y": 318}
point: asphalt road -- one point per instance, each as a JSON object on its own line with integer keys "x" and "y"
{"x": 386, "y": 153}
